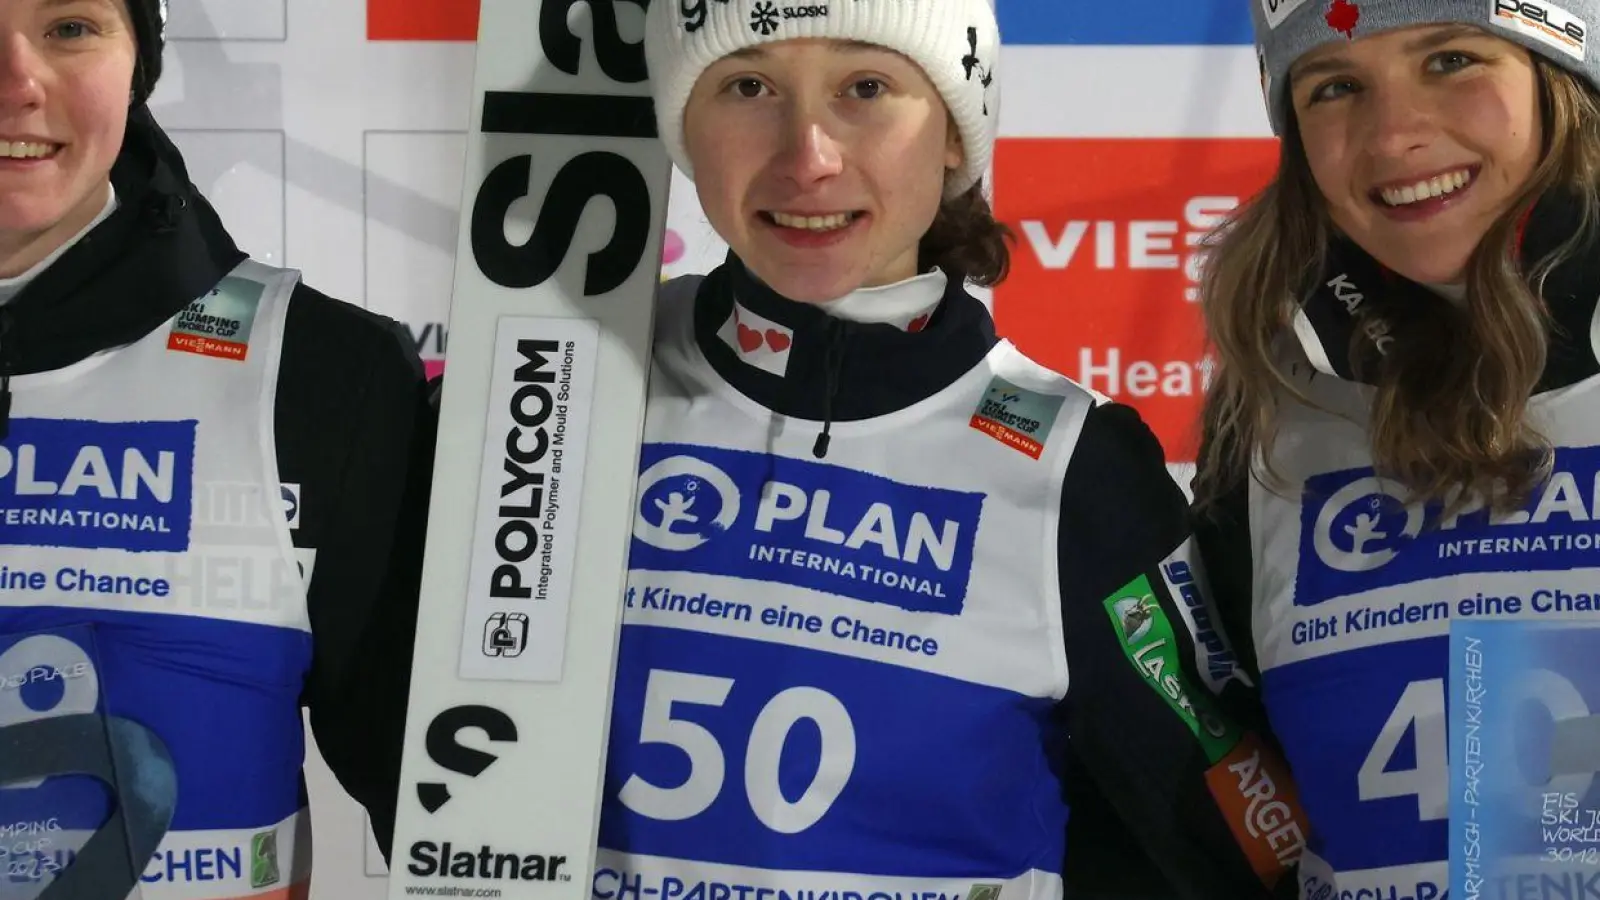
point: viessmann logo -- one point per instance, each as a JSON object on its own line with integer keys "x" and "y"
{"x": 1116, "y": 229}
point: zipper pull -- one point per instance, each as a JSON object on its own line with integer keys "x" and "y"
{"x": 5, "y": 376}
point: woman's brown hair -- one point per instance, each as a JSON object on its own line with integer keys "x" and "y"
{"x": 966, "y": 241}
{"x": 1449, "y": 413}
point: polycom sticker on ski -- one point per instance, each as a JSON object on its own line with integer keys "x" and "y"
{"x": 529, "y": 494}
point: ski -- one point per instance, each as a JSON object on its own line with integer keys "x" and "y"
{"x": 564, "y": 206}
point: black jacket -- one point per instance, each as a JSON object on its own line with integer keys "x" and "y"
{"x": 355, "y": 429}
{"x": 1142, "y": 823}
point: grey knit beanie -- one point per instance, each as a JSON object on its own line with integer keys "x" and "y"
{"x": 1288, "y": 29}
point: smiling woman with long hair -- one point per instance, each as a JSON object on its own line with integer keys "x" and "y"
{"x": 1405, "y": 326}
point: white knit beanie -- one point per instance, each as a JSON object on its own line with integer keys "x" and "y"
{"x": 956, "y": 42}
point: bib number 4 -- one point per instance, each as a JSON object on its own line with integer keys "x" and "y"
{"x": 1420, "y": 713}
{"x": 769, "y": 733}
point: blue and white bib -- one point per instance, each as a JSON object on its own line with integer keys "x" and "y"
{"x": 152, "y": 614}
{"x": 1354, "y": 592}
{"x": 837, "y": 676}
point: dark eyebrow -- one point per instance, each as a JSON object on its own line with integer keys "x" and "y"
{"x": 1434, "y": 39}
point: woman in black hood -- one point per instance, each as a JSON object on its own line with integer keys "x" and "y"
{"x": 212, "y": 490}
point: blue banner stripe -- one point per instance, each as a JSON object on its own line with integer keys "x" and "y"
{"x": 1152, "y": 22}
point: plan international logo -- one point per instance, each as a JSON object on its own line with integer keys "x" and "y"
{"x": 1357, "y": 535}
{"x": 832, "y": 529}
{"x": 115, "y": 485}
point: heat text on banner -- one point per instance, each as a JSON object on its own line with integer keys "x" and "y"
{"x": 1104, "y": 289}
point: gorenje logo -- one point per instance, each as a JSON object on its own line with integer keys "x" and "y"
{"x": 828, "y": 528}
{"x": 1357, "y": 534}
{"x": 1214, "y": 657}
{"x": 119, "y": 485}
{"x": 1545, "y": 22}
{"x": 444, "y": 860}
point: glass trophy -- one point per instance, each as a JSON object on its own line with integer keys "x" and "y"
{"x": 1524, "y": 758}
{"x": 85, "y": 798}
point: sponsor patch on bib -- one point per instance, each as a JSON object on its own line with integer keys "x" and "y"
{"x": 1018, "y": 418}
{"x": 218, "y": 323}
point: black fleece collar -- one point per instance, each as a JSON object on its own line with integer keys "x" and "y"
{"x": 1358, "y": 306}
{"x": 839, "y": 370}
{"x": 163, "y": 247}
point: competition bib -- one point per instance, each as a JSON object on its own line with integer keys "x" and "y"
{"x": 154, "y": 638}
{"x": 1354, "y": 638}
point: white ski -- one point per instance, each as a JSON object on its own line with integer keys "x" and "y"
{"x": 563, "y": 208}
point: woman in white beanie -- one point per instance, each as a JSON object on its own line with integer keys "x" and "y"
{"x": 909, "y": 615}
{"x": 1406, "y": 414}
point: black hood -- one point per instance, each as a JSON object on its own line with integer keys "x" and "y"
{"x": 162, "y": 247}
{"x": 1358, "y": 304}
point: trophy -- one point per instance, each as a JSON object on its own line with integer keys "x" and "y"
{"x": 85, "y": 798}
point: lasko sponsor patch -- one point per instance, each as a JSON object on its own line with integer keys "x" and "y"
{"x": 1016, "y": 417}
{"x": 1544, "y": 21}
{"x": 1356, "y": 535}
{"x": 117, "y": 485}
{"x": 218, "y": 323}
{"x": 828, "y": 528}
{"x": 1149, "y": 643}
{"x": 264, "y": 868}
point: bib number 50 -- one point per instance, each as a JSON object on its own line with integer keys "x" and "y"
{"x": 768, "y": 734}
